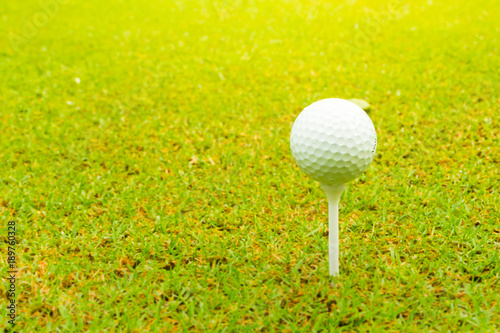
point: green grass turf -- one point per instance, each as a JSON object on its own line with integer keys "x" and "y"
{"x": 159, "y": 193}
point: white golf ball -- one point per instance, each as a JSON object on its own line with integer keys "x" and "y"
{"x": 333, "y": 141}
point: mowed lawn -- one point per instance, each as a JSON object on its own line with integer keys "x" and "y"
{"x": 145, "y": 161}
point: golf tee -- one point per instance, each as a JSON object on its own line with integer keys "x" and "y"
{"x": 333, "y": 194}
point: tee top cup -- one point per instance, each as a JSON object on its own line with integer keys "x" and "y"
{"x": 333, "y": 141}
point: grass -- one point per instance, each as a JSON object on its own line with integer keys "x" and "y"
{"x": 145, "y": 160}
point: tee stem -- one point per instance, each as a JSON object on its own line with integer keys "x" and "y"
{"x": 333, "y": 194}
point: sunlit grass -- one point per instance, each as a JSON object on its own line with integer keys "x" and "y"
{"x": 145, "y": 158}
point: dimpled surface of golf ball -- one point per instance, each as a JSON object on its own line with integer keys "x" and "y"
{"x": 333, "y": 141}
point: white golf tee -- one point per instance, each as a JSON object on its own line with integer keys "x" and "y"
{"x": 333, "y": 194}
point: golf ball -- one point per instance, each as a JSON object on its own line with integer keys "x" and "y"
{"x": 333, "y": 141}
